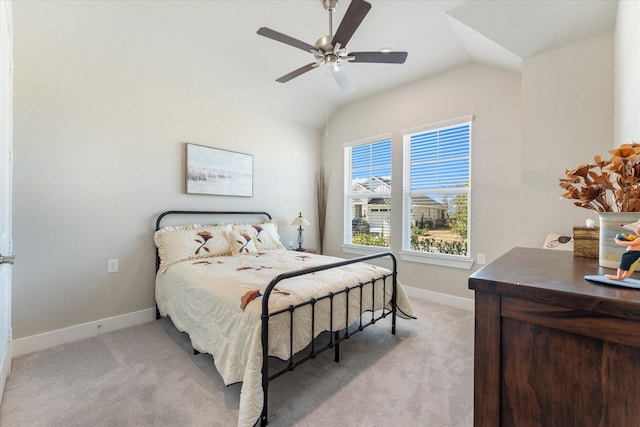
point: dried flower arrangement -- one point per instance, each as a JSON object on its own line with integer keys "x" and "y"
{"x": 607, "y": 185}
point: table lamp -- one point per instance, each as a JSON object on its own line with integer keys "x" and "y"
{"x": 299, "y": 221}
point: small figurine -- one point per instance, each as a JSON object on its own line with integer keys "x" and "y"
{"x": 626, "y": 237}
{"x": 631, "y": 255}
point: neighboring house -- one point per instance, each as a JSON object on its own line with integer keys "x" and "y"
{"x": 377, "y": 210}
{"x": 429, "y": 210}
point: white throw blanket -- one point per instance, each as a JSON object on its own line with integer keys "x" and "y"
{"x": 204, "y": 297}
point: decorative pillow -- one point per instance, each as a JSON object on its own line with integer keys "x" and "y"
{"x": 265, "y": 235}
{"x": 180, "y": 243}
{"x": 241, "y": 243}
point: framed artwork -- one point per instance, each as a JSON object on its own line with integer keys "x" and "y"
{"x": 219, "y": 172}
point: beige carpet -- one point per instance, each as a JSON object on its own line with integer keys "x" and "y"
{"x": 147, "y": 376}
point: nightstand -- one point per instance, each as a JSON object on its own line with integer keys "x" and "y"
{"x": 307, "y": 250}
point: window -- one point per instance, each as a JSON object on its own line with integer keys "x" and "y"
{"x": 368, "y": 193}
{"x": 436, "y": 191}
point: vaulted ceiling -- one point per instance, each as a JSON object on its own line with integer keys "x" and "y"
{"x": 212, "y": 47}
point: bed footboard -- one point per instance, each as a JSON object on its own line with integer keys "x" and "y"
{"x": 336, "y": 337}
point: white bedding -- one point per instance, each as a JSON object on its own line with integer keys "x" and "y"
{"x": 203, "y": 298}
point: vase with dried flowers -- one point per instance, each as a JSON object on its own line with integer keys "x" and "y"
{"x": 611, "y": 187}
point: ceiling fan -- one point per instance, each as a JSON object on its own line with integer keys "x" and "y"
{"x": 331, "y": 50}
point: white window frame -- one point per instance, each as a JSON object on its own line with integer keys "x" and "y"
{"x": 349, "y": 195}
{"x": 407, "y": 254}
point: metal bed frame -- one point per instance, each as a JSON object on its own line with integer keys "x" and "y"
{"x": 336, "y": 337}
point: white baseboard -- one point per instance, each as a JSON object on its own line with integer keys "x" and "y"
{"x": 52, "y": 339}
{"x": 5, "y": 369}
{"x": 33, "y": 343}
{"x": 450, "y": 300}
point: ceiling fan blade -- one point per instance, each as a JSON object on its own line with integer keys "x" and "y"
{"x": 379, "y": 57}
{"x": 296, "y": 73}
{"x": 283, "y": 38}
{"x": 354, "y": 15}
{"x": 341, "y": 77}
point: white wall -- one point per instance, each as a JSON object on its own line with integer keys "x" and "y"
{"x": 99, "y": 152}
{"x": 493, "y": 96}
{"x": 528, "y": 129}
{"x": 627, "y": 88}
{"x": 567, "y": 118}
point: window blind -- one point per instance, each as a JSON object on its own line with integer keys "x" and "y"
{"x": 440, "y": 159}
{"x": 371, "y": 161}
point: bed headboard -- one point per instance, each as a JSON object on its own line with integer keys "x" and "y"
{"x": 206, "y": 218}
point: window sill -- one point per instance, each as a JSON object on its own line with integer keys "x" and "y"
{"x": 363, "y": 249}
{"x": 445, "y": 260}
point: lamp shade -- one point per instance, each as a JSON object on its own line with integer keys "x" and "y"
{"x": 300, "y": 220}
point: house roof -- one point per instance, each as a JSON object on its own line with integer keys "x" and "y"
{"x": 419, "y": 201}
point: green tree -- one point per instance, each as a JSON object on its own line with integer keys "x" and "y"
{"x": 458, "y": 218}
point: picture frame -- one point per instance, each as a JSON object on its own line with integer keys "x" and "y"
{"x": 218, "y": 172}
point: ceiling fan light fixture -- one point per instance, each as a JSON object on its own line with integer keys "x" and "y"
{"x": 331, "y": 59}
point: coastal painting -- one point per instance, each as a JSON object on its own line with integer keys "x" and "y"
{"x": 218, "y": 172}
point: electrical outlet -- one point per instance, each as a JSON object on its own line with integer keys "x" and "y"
{"x": 482, "y": 259}
{"x": 290, "y": 244}
{"x": 112, "y": 265}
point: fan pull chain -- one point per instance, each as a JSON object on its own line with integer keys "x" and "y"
{"x": 326, "y": 94}
{"x": 331, "y": 22}
{"x": 326, "y": 124}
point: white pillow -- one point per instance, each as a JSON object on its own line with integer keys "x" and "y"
{"x": 241, "y": 243}
{"x": 181, "y": 243}
{"x": 265, "y": 235}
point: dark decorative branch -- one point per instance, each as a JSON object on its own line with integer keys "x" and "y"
{"x": 322, "y": 189}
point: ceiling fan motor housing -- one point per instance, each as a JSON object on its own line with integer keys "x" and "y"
{"x": 324, "y": 43}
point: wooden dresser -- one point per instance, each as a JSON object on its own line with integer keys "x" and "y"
{"x": 552, "y": 349}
